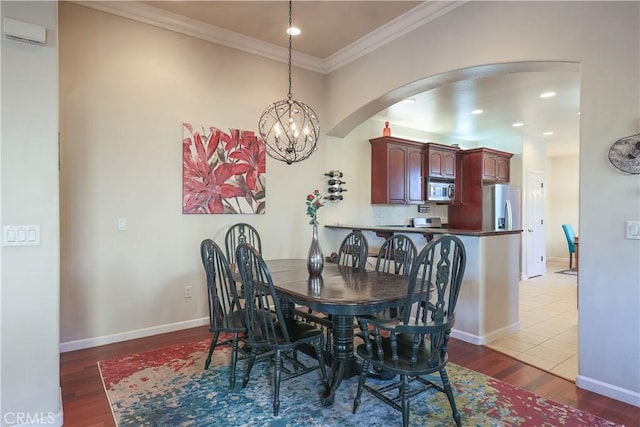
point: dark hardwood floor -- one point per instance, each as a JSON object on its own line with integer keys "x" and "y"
{"x": 86, "y": 405}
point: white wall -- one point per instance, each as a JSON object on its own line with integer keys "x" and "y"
{"x": 30, "y": 274}
{"x": 603, "y": 38}
{"x": 562, "y": 187}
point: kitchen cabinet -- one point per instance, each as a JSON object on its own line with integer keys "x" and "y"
{"x": 396, "y": 171}
{"x": 476, "y": 167}
{"x": 440, "y": 161}
{"x": 495, "y": 166}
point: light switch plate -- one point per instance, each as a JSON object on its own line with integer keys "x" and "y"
{"x": 632, "y": 230}
{"x": 20, "y": 235}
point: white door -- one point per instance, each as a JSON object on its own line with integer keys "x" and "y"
{"x": 534, "y": 230}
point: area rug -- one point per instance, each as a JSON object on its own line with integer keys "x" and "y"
{"x": 169, "y": 387}
{"x": 569, "y": 271}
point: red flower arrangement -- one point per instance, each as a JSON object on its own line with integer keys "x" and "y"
{"x": 313, "y": 204}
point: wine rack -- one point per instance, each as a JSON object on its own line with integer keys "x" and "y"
{"x": 335, "y": 187}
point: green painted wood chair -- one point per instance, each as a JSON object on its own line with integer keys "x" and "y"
{"x": 225, "y": 314}
{"x": 416, "y": 345}
{"x": 268, "y": 329}
{"x": 354, "y": 250}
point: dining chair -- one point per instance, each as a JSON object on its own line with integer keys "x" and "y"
{"x": 571, "y": 236}
{"x": 225, "y": 314}
{"x": 241, "y": 233}
{"x": 354, "y": 250}
{"x": 396, "y": 255}
{"x": 416, "y": 345}
{"x": 267, "y": 329}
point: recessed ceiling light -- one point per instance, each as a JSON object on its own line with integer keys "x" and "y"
{"x": 549, "y": 133}
{"x": 293, "y": 31}
{"x": 547, "y": 94}
{"x": 408, "y": 100}
{"x": 517, "y": 125}
{"x": 477, "y": 111}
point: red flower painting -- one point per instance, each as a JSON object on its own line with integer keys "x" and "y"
{"x": 222, "y": 173}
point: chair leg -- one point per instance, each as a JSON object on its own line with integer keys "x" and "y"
{"x": 214, "y": 340}
{"x": 447, "y": 388}
{"x": 361, "y": 381}
{"x": 277, "y": 371}
{"x": 234, "y": 360}
{"x": 318, "y": 345}
{"x": 252, "y": 359}
{"x": 404, "y": 396}
{"x": 570, "y": 260}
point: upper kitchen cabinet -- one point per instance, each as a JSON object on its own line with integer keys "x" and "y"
{"x": 396, "y": 171}
{"x": 493, "y": 165}
{"x": 440, "y": 161}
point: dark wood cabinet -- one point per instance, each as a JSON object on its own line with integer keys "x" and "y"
{"x": 440, "y": 161}
{"x": 396, "y": 171}
{"x": 476, "y": 167}
{"x": 495, "y": 166}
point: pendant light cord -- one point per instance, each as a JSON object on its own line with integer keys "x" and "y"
{"x": 290, "y": 95}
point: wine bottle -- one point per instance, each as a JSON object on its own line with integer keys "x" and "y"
{"x": 334, "y": 197}
{"x": 333, "y": 181}
{"x": 336, "y": 190}
{"x": 334, "y": 174}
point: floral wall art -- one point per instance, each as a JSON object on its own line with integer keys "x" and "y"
{"x": 223, "y": 173}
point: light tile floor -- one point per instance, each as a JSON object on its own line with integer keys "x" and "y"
{"x": 548, "y": 335}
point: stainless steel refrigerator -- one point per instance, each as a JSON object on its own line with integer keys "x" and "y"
{"x": 500, "y": 207}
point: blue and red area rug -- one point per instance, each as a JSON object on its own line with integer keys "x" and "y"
{"x": 169, "y": 388}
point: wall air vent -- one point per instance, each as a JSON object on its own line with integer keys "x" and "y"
{"x": 24, "y": 32}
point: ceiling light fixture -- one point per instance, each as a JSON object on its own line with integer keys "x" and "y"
{"x": 547, "y": 94}
{"x": 517, "y": 125}
{"x": 478, "y": 111}
{"x": 289, "y": 128}
{"x": 549, "y": 133}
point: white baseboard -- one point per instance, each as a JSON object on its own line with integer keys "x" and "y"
{"x": 467, "y": 337}
{"x": 487, "y": 338}
{"x": 627, "y": 396}
{"x": 130, "y": 335}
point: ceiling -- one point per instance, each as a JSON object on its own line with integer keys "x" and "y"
{"x": 331, "y": 28}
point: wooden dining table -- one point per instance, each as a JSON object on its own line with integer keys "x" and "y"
{"x": 342, "y": 292}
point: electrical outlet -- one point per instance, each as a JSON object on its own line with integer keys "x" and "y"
{"x": 187, "y": 291}
{"x": 632, "y": 230}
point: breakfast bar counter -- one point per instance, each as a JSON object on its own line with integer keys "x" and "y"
{"x": 487, "y": 306}
{"x": 390, "y": 229}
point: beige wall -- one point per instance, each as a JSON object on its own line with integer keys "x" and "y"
{"x": 29, "y": 276}
{"x": 562, "y": 199}
{"x": 126, "y": 87}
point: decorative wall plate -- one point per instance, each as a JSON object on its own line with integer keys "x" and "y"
{"x": 624, "y": 154}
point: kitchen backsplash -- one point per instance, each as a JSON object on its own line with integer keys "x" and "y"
{"x": 401, "y": 214}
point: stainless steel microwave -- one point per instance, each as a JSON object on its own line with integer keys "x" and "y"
{"x": 440, "y": 191}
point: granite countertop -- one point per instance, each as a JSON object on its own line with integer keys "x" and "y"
{"x": 406, "y": 229}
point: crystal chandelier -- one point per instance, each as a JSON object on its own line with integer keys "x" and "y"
{"x": 289, "y": 128}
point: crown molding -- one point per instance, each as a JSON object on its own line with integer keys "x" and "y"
{"x": 400, "y": 26}
{"x": 403, "y": 24}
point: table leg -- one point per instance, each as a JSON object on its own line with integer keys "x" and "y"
{"x": 344, "y": 361}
